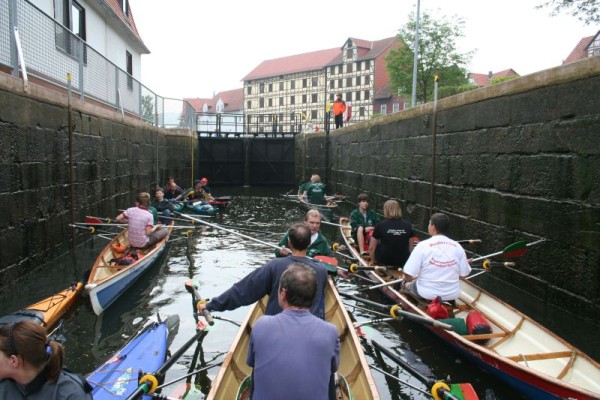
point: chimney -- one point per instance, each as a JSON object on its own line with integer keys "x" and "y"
{"x": 490, "y": 74}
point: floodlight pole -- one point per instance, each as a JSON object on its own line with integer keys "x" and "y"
{"x": 416, "y": 56}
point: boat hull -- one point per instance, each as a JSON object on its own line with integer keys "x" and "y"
{"x": 514, "y": 334}
{"x": 118, "y": 377}
{"x": 108, "y": 281}
{"x": 48, "y": 311}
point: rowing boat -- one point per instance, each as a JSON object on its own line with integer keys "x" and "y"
{"x": 525, "y": 354}
{"x": 330, "y": 206}
{"x": 48, "y": 311}
{"x": 109, "y": 277}
{"x": 117, "y": 378}
{"x": 231, "y": 380}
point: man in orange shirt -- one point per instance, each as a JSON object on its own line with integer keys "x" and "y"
{"x": 339, "y": 106}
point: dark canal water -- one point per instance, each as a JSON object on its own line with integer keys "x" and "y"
{"x": 217, "y": 259}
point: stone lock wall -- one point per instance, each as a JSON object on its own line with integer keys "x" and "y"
{"x": 515, "y": 161}
{"x": 114, "y": 157}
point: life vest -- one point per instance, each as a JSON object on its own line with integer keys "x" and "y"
{"x": 339, "y": 107}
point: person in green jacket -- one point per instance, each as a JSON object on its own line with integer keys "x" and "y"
{"x": 362, "y": 221}
{"x": 319, "y": 246}
{"x": 315, "y": 192}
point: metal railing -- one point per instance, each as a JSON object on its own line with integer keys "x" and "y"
{"x": 51, "y": 51}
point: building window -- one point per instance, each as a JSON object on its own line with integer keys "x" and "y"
{"x": 313, "y": 114}
{"x": 340, "y": 83}
{"x": 270, "y": 102}
{"x": 280, "y": 85}
{"x": 594, "y": 48}
{"x": 261, "y": 102}
{"x": 261, "y": 88}
{"x": 304, "y": 99}
{"x": 367, "y": 79}
{"x": 72, "y": 16}
{"x": 249, "y": 90}
{"x": 315, "y": 81}
{"x": 348, "y": 82}
{"x": 358, "y": 65}
{"x": 129, "y": 63}
{"x": 349, "y": 54}
{"x": 292, "y": 99}
{"x": 331, "y": 84}
{"x": 349, "y": 96}
{"x": 395, "y": 107}
{"x": 314, "y": 97}
{"x": 293, "y": 84}
{"x": 361, "y": 111}
{"x": 270, "y": 87}
{"x": 383, "y": 109}
{"x": 248, "y": 104}
{"x": 348, "y": 67}
{"x": 281, "y": 101}
{"x": 367, "y": 95}
{"x": 304, "y": 83}
{"x": 124, "y": 4}
{"x": 357, "y": 96}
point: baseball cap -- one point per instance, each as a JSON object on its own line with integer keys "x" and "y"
{"x": 204, "y": 180}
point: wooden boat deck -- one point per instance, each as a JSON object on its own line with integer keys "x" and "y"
{"x": 353, "y": 365}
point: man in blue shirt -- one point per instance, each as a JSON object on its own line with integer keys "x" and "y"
{"x": 293, "y": 353}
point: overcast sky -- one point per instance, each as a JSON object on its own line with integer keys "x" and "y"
{"x": 203, "y": 47}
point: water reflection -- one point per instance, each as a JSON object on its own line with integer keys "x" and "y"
{"x": 216, "y": 259}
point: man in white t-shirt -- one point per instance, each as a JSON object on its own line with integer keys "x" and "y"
{"x": 436, "y": 265}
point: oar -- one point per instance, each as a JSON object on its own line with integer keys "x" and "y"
{"x": 228, "y": 230}
{"x": 354, "y": 268}
{"x": 125, "y": 225}
{"x": 469, "y": 241}
{"x": 149, "y": 382}
{"x": 191, "y": 288}
{"x": 396, "y": 311}
{"x": 437, "y": 387}
{"x": 400, "y": 380}
{"x": 390, "y": 283}
{"x": 333, "y": 224}
{"x": 513, "y": 250}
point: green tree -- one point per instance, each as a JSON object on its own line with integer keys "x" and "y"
{"x": 587, "y": 11}
{"x": 148, "y": 108}
{"x": 438, "y": 55}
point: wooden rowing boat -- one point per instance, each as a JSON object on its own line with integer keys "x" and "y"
{"x": 519, "y": 350}
{"x": 353, "y": 365}
{"x": 48, "y": 311}
{"x": 108, "y": 280}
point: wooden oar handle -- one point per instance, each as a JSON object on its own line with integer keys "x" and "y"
{"x": 190, "y": 287}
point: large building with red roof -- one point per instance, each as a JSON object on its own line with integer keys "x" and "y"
{"x": 292, "y": 93}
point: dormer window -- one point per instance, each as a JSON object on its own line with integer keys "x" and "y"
{"x": 349, "y": 54}
{"x": 220, "y": 106}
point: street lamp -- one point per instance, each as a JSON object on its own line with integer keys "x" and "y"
{"x": 416, "y": 56}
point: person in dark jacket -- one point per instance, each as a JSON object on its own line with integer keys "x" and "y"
{"x": 391, "y": 242}
{"x": 31, "y": 366}
{"x": 163, "y": 207}
{"x": 172, "y": 190}
{"x": 265, "y": 280}
{"x": 363, "y": 221}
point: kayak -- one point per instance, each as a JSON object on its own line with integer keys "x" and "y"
{"x": 118, "y": 377}
{"x": 200, "y": 207}
{"x": 48, "y": 311}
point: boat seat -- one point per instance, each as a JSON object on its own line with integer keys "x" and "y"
{"x": 542, "y": 356}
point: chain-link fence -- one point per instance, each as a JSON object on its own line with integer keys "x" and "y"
{"x": 50, "y": 52}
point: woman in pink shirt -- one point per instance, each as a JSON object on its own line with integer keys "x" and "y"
{"x": 141, "y": 231}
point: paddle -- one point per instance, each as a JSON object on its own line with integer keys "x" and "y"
{"x": 396, "y": 311}
{"x": 354, "y": 268}
{"x": 333, "y": 224}
{"x": 469, "y": 241}
{"x": 513, "y": 250}
{"x": 125, "y": 225}
{"x": 439, "y": 388}
{"x": 395, "y": 281}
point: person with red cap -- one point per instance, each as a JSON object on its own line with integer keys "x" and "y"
{"x": 197, "y": 192}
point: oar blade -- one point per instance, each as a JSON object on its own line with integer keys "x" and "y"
{"x": 93, "y": 220}
{"x": 516, "y": 249}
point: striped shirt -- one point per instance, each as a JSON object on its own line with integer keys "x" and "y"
{"x": 137, "y": 220}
